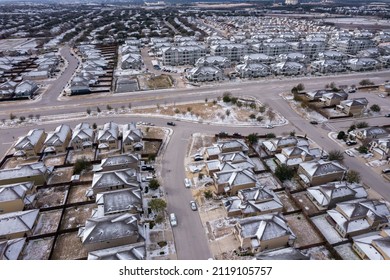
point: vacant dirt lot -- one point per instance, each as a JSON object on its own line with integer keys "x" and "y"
{"x": 153, "y": 132}
{"x": 288, "y": 204}
{"x": 305, "y": 233}
{"x": 48, "y": 222}
{"x": 13, "y": 162}
{"x": 305, "y": 203}
{"x": 158, "y": 82}
{"x": 69, "y": 247}
{"x": 54, "y": 160}
{"x": 76, "y": 216}
{"x": 51, "y": 196}
{"x": 151, "y": 147}
{"x": 38, "y": 249}
{"x": 77, "y": 193}
{"x": 61, "y": 175}
{"x": 73, "y": 156}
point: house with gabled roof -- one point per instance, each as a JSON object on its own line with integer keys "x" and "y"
{"x": 373, "y": 132}
{"x": 132, "y": 138}
{"x": 380, "y": 146}
{"x": 14, "y": 197}
{"x": 17, "y": 224}
{"x": 116, "y": 162}
{"x": 328, "y": 195}
{"x": 320, "y": 172}
{"x": 107, "y": 138}
{"x": 127, "y": 200}
{"x": 333, "y": 98}
{"x": 218, "y": 61}
{"x": 292, "y": 156}
{"x": 354, "y": 218}
{"x": 212, "y": 152}
{"x": 231, "y": 181}
{"x": 263, "y": 232}
{"x": 252, "y": 202}
{"x": 111, "y": 231}
{"x": 204, "y": 74}
{"x": 58, "y": 140}
{"x": 12, "y": 249}
{"x": 276, "y": 145}
{"x": 234, "y": 145}
{"x": 31, "y": 144}
{"x": 35, "y": 172}
{"x": 83, "y": 137}
{"x": 353, "y": 107}
{"x": 327, "y": 66}
{"x": 373, "y": 246}
{"x": 129, "y": 252}
{"x": 113, "y": 180}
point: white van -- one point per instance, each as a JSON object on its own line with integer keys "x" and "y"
{"x": 172, "y": 219}
{"x": 187, "y": 183}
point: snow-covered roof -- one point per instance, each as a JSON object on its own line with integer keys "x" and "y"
{"x": 235, "y": 177}
{"x": 109, "y": 132}
{"x": 126, "y": 177}
{"x": 136, "y": 251}
{"x": 15, "y": 191}
{"x": 30, "y": 140}
{"x": 21, "y": 171}
{"x": 58, "y": 136}
{"x": 118, "y": 160}
{"x": 11, "y": 249}
{"x": 18, "y": 222}
{"x": 124, "y": 200}
{"x": 83, "y": 132}
{"x": 321, "y": 167}
{"x": 375, "y": 245}
{"x": 131, "y": 133}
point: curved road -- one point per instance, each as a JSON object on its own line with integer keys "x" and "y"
{"x": 190, "y": 238}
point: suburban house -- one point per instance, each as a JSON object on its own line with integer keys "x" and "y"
{"x": 25, "y": 89}
{"x": 132, "y": 61}
{"x": 34, "y": 172}
{"x": 276, "y": 145}
{"x": 260, "y": 58}
{"x": 373, "y": 245}
{"x": 294, "y": 155}
{"x": 58, "y": 140}
{"x": 327, "y": 196}
{"x": 113, "y": 180}
{"x": 333, "y": 98}
{"x": 186, "y": 55}
{"x": 288, "y": 68}
{"x": 107, "y": 138}
{"x": 353, "y": 107}
{"x": 316, "y": 95}
{"x": 252, "y": 70}
{"x": 381, "y": 147}
{"x": 332, "y": 55}
{"x": 231, "y": 181}
{"x": 234, "y": 52}
{"x": 263, "y": 232}
{"x": 293, "y": 56}
{"x": 217, "y": 61}
{"x": 373, "y": 132}
{"x": 233, "y": 146}
{"x": 83, "y": 137}
{"x": 136, "y": 251}
{"x": 119, "y": 201}
{"x": 132, "y": 138}
{"x": 310, "y": 48}
{"x": 17, "y": 224}
{"x": 252, "y": 202}
{"x": 320, "y": 172}
{"x": 212, "y": 152}
{"x": 110, "y": 231}
{"x": 327, "y": 66}
{"x": 12, "y": 249}
{"x": 31, "y": 144}
{"x": 363, "y": 64}
{"x": 14, "y": 197}
{"x": 112, "y": 163}
{"x": 354, "y": 218}
{"x": 7, "y": 89}
{"x": 204, "y": 74}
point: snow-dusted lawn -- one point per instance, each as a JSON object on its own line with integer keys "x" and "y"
{"x": 346, "y": 252}
{"x": 73, "y": 156}
{"x": 306, "y": 113}
{"x": 318, "y": 253}
{"x": 54, "y": 160}
{"x": 288, "y": 204}
{"x": 305, "y": 233}
{"x": 267, "y": 179}
{"x": 13, "y": 162}
{"x": 47, "y": 222}
{"x": 76, "y": 216}
{"x": 77, "y": 193}
{"x": 69, "y": 247}
{"x": 61, "y": 175}
{"x": 38, "y": 249}
{"x": 51, "y": 196}
{"x": 327, "y": 229}
{"x": 305, "y": 203}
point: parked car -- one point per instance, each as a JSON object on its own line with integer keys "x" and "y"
{"x": 270, "y": 126}
{"x": 351, "y": 142}
{"x": 171, "y": 123}
{"x": 386, "y": 170}
{"x": 350, "y": 153}
{"x": 193, "y": 205}
{"x": 387, "y": 115}
{"x": 222, "y": 134}
{"x": 187, "y": 183}
{"x": 147, "y": 168}
{"x": 172, "y": 219}
{"x": 313, "y": 122}
{"x": 236, "y": 134}
{"x": 198, "y": 157}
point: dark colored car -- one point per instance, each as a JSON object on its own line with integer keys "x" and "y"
{"x": 313, "y": 122}
{"x": 171, "y": 123}
{"x": 147, "y": 168}
{"x": 351, "y": 142}
{"x": 387, "y": 115}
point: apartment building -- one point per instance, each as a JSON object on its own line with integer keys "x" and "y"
{"x": 182, "y": 55}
